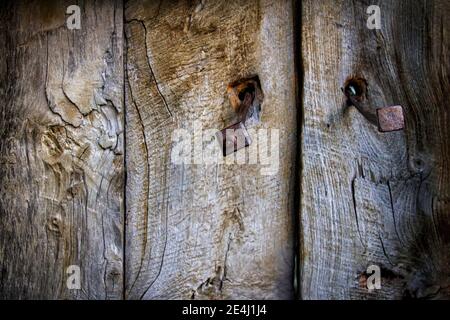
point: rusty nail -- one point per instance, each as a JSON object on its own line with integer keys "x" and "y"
{"x": 245, "y": 97}
{"x": 387, "y": 119}
{"x": 365, "y": 110}
{"x": 233, "y": 138}
{"x": 390, "y": 119}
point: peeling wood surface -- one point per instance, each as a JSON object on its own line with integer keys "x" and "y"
{"x": 61, "y": 146}
{"x": 369, "y": 197}
{"x": 206, "y": 231}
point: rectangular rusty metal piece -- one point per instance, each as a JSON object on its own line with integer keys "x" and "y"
{"x": 390, "y": 119}
{"x": 233, "y": 138}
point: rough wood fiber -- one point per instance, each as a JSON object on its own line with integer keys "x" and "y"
{"x": 61, "y": 145}
{"x": 206, "y": 231}
{"x": 368, "y": 197}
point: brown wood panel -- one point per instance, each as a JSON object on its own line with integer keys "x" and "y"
{"x": 369, "y": 197}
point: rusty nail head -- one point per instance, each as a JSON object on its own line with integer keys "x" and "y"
{"x": 390, "y": 119}
{"x": 233, "y": 138}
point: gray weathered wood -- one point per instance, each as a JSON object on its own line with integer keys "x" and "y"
{"x": 369, "y": 197}
{"x": 207, "y": 231}
{"x": 61, "y": 145}
{"x": 221, "y": 231}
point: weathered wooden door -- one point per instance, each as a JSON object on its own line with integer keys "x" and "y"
{"x": 90, "y": 127}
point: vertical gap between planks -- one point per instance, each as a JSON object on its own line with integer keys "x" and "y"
{"x": 298, "y": 67}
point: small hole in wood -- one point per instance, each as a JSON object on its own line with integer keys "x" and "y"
{"x": 356, "y": 88}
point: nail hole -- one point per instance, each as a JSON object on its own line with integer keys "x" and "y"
{"x": 246, "y": 97}
{"x": 355, "y": 87}
{"x": 250, "y": 89}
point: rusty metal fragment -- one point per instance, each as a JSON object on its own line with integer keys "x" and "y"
{"x": 390, "y": 119}
{"x": 245, "y": 97}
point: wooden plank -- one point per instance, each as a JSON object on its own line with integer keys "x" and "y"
{"x": 61, "y": 146}
{"x": 214, "y": 231}
{"x": 370, "y": 198}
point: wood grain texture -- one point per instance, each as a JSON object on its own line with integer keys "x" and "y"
{"x": 61, "y": 146}
{"x": 199, "y": 231}
{"x": 369, "y": 197}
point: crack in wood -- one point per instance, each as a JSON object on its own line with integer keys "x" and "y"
{"x": 142, "y": 23}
